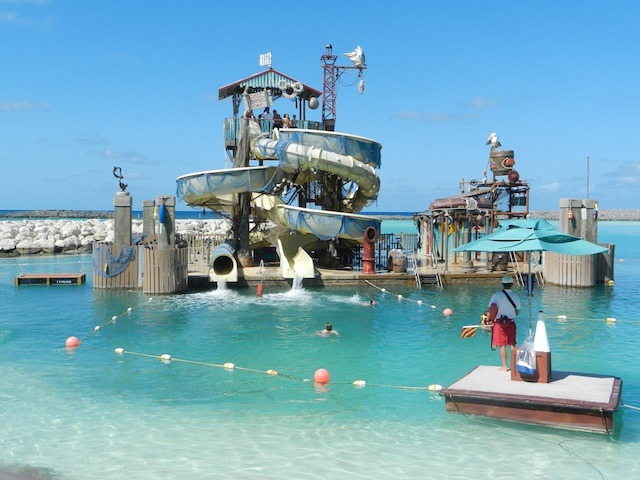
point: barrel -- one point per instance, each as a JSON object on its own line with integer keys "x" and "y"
{"x": 501, "y": 162}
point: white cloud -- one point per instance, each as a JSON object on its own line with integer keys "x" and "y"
{"x": 22, "y": 105}
{"x": 436, "y": 117}
{"x": 89, "y": 139}
{"x": 109, "y": 154}
{"x": 551, "y": 187}
{"x": 31, "y": 2}
{"x": 626, "y": 174}
{"x": 9, "y": 17}
{"x": 484, "y": 102}
{"x": 629, "y": 179}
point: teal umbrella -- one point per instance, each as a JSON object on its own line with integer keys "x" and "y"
{"x": 531, "y": 235}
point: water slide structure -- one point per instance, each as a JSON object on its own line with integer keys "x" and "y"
{"x": 296, "y": 186}
{"x": 294, "y": 163}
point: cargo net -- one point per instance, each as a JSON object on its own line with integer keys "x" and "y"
{"x": 108, "y": 266}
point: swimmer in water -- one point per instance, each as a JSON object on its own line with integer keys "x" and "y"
{"x": 328, "y": 331}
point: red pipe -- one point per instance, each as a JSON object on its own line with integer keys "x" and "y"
{"x": 369, "y": 238}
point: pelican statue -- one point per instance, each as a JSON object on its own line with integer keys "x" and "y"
{"x": 357, "y": 57}
{"x": 493, "y": 141}
{"x": 117, "y": 172}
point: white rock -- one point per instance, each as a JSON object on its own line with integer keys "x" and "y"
{"x": 70, "y": 229}
{"x": 87, "y": 241}
{"x": 71, "y": 242}
{"x": 47, "y": 246}
{"x": 27, "y": 247}
{"x": 7, "y": 244}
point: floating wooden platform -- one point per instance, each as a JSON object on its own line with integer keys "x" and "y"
{"x": 51, "y": 279}
{"x": 575, "y": 401}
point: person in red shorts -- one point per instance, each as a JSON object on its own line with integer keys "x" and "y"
{"x": 503, "y": 308}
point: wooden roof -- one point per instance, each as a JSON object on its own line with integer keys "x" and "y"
{"x": 268, "y": 79}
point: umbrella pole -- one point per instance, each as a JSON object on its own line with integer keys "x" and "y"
{"x": 530, "y": 293}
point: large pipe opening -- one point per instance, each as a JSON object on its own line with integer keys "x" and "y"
{"x": 223, "y": 264}
{"x": 368, "y": 260}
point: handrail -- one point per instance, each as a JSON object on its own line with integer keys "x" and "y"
{"x": 414, "y": 264}
{"x": 518, "y": 272}
{"x": 434, "y": 264}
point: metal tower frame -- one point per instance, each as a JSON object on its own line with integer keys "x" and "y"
{"x": 332, "y": 73}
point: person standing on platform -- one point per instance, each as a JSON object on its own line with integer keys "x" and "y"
{"x": 503, "y": 308}
{"x": 277, "y": 120}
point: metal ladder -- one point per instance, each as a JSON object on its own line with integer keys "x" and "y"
{"x": 519, "y": 275}
{"x": 434, "y": 264}
{"x": 538, "y": 273}
{"x": 518, "y": 272}
{"x": 414, "y": 264}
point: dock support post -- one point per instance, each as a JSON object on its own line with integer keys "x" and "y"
{"x": 166, "y": 224}
{"x": 580, "y": 219}
{"x": 148, "y": 221}
{"x": 122, "y": 219}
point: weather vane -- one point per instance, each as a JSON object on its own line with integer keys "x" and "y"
{"x": 117, "y": 172}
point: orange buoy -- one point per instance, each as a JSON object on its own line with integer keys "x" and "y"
{"x": 321, "y": 376}
{"x": 447, "y": 312}
{"x": 259, "y": 290}
{"x": 72, "y": 342}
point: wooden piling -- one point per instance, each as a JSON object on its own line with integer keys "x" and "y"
{"x": 127, "y": 279}
{"x": 165, "y": 270}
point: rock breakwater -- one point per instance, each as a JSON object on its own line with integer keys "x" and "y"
{"x": 56, "y": 214}
{"x": 609, "y": 215}
{"x": 71, "y": 231}
{"x": 31, "y": 237}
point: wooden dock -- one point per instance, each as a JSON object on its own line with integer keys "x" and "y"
{"x": 51, "y": 279}
{"x": 575, "y": 401}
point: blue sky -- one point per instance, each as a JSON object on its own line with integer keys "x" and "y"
{"x": 88, "y": 85}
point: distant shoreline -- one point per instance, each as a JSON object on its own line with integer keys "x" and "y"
{"x": 603, "y": 215}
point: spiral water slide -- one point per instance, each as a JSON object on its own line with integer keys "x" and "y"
{"x": 300, "y": 157}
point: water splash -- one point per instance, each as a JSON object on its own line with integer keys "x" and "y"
{"x": 297, "y": 283}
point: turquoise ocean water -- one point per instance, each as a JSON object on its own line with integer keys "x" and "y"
{"x": 89, "y": 413}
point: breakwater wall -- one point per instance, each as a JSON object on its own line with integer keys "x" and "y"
{"x": 611, "y": 215}
{"x": 70, "y": 231}
{"x": 53, "y": 236}
{"x": 604, "y": 215}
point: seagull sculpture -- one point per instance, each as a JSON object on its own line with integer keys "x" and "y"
{"x": 493, "y": 141}
{"x": 357, "y": 57}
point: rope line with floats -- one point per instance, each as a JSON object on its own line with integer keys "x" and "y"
{"x": 447, "y": 312}
{"x": 321, "y": 375}
{"x": 608, "y": 320}
{"x": 399, "y": 296}
{"x": 73, "y": 342}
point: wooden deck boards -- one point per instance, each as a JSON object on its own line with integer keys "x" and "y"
{"x": 51, "y": 279}
{"x": 570, "y": 400}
